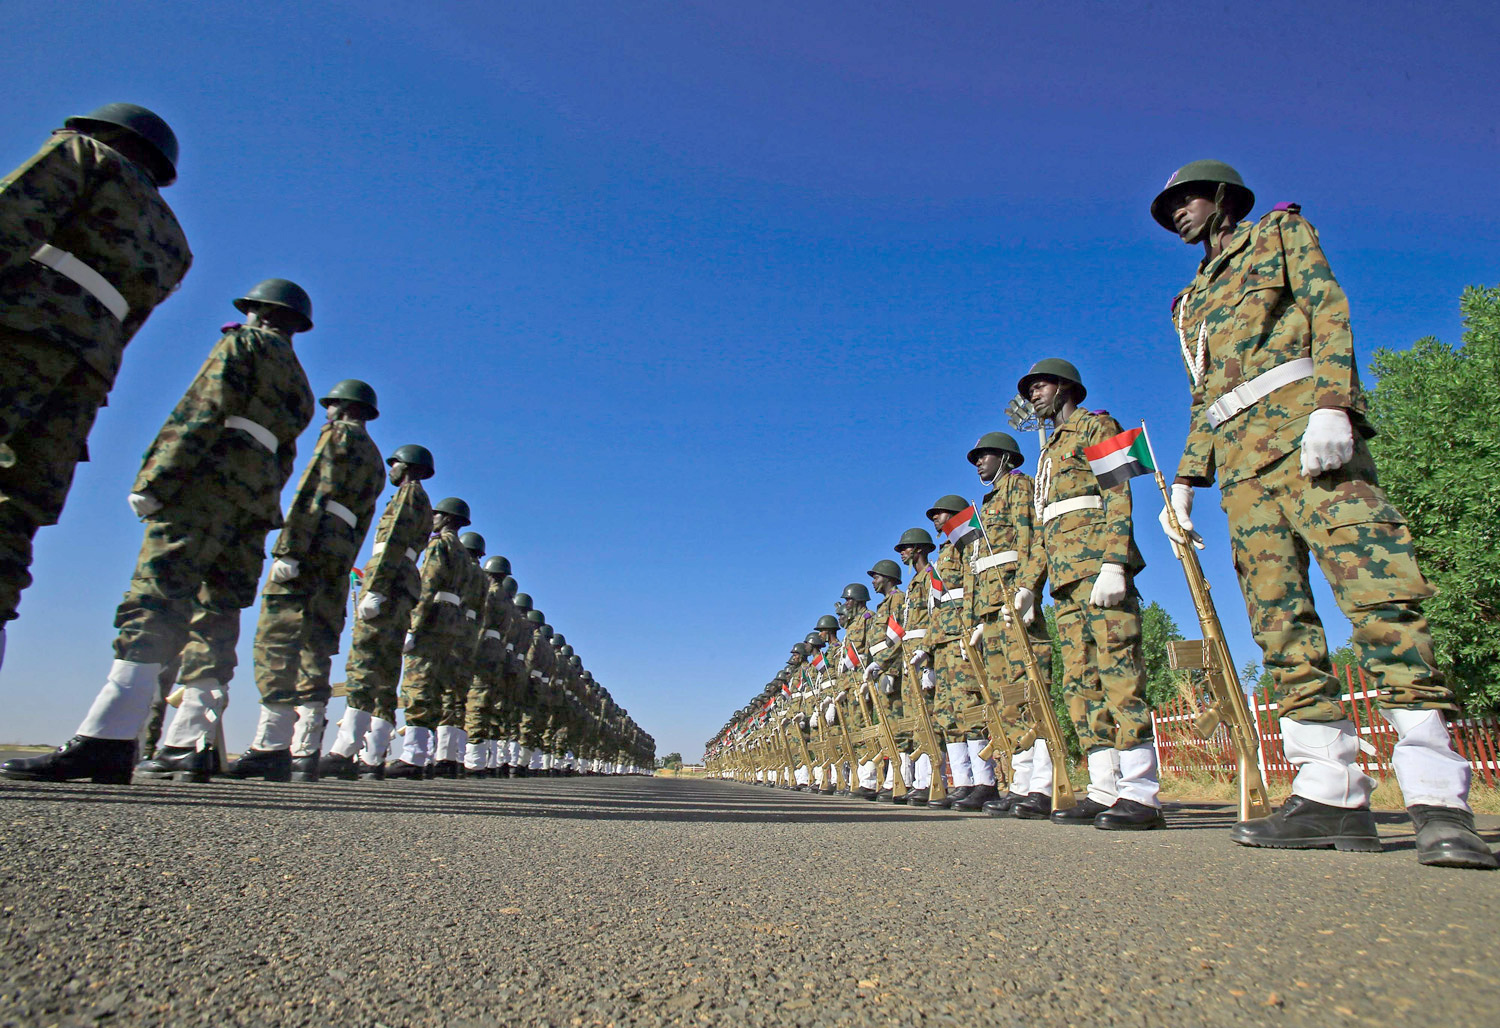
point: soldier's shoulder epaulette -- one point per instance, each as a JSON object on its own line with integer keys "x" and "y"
{"x": 1100, "y": 413}
{"x": 1286, "y": 207}
{"x": 229, "y": 326}
{"x": 1016, "y": 471}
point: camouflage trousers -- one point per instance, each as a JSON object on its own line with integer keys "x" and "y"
{"x": 456, "y": 687}
{"x": 1005, "y": 663}
{"x": 298, "y": 634}
{"x": 1276, "y": 521}
{"x": 195, "y": 573}
{"x": 533, "y": 720}
{"x": 430, "y": 679}
{"x": 1104, "y": 671}
{"x": 512, "y": 700}
{"x": 48, "y": 400}
{"x": 485, "y": 702}
{"x": 374, "y": 666}
{"x": 954, "y": 698}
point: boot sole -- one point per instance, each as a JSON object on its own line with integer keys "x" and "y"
{"x": 1475, "y": 863}
{"x": 190, "y": 777}
{"x": 1342, "y": 843}
{"x": 104, "y": 778}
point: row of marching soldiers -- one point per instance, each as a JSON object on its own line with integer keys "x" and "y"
{"x": 488, "y": 686}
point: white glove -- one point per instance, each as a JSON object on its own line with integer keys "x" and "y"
{"x": 1025, "y": 602}
{"x": 369, "y": 607}
{"x": 1328, "y": 442}
{"x": 815, "y": 720}
{"x": 929, "y": 679}
{"x": 874, "y": 668}
{"x": 1182, "y": 504}
{"x": 976, "y": 635}
{"x": 1109, "y": 587}
{"x": 888, "y": 683}
{"x": 284, "y": 569}
{"x": 831, "y": 714}
{"x": 410, "y": 644}
{"x": 918, "y": 657}
{"x": 143, "y": 504}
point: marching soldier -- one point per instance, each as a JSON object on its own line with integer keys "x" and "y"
{"x": 88, "y": 248}
{"x": 1091, "y": 557}
{"x": 389, "y": 590}
{"x": 953, "y": 679}
{"x": 527, "y": 694}
{"x": 209, "y": 491}
{"x": 481, "y": 718}
{"x": 518, "y": 701}
{"x": 541, "y": 664}
{"x": 302, "y": 606}
{"x": 884, "y": 670}
{"x": 1278, "y": 416}
{"x": 436, "y": 637}
{"x": 452, "y": 739}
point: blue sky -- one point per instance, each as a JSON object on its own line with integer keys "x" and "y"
{"x": 700, "y": 305}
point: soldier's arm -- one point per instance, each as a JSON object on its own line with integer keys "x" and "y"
{"x": 197, "y": 422}
{"x": 1317, "y": 292}
{"x": 1031, "y": 569}
{"x": 39, "y": 196}
{"x": 436, "y": 572}
{"x": 300, "y": 533}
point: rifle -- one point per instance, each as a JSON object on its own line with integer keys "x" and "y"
{"x": 886, "y": 735}
{"x": 1211, "y": 655}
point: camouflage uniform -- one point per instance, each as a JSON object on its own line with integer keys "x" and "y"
{"x": 461, "y": 674}
{"x": 439, "y": 629}
{"x": 486, "y": 700}
{"x": 1268, "y": 299}
{"x": 301, "y": 619}
{"x": 60, "y": 347}
{"x": 945, "y": 640}
{"x": 219, "y": 487}
{"x": 374, "y": 665}
{"x": 540, "y": 663}
{"x": 517, "y": 691}
{"x": 1105, "y": 678}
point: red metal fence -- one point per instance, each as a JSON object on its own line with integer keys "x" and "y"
{"x": 1182, "y": 751}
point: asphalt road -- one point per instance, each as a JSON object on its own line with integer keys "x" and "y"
{"x": 589, "y": 901}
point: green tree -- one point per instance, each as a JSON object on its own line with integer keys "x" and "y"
{"x": 671, "y": 762}
{"x": 1436, "y": 408}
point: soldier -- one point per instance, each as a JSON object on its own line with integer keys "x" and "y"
{"x": 209, "y": 491}
{"x": 88, "y": 248}
{"x": 1089, "y": 552}
{"x": 1008, "y": 542}
{"x": 302, "y": 606}
{"x": 436, "y": 637}
{"x": 827, "y": 681}
{"x": 541, "y": 663}
{"x": 884, "y": 669}
{"x": 1278, "y": 416}
{"x": 481, "y": 717}
{"x": 452, "y": 737}
{"x": 388, "y": 591}
{"x": 916, "y": 617}
{"x": 859, "y": 632}
{"x": 953, "y": 679}
{"x": 526, "y": 692}
{"x": 517, "y": 642}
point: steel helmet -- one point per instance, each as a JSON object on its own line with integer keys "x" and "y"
{"x": 502, "y": 564}
{"x": 559, "y": 640}
{"x": 279, "y": 292}
{"x": 1052, "y": 367}
{"x": 419, "y": 457}
{"x": 536, "y": 617}
{"x": 889, "y": 568}
{"x": 829, "y": 622}
{"x": 523, "y": 601}
{"x": 915, "y": 537}
{"x": 1237, "y": 196}
{"x": 815, "y": 640}
{"x": 453, "y": 506}
{"x": 950, "y": 504}
{"x": 510, "y": 585}
{"x": 999, "y": 442}
{"x": 355, "y": 390}
{"x": 473, "y": 542}
{"x": 856, "y": 591}
{"x": 161, "y": 141}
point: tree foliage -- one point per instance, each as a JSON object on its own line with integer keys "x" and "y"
{"x": 1437, "y": 409}
{"x": 671, "y": 762}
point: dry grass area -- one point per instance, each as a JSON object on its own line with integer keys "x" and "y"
{"x": 1202, "y": 787}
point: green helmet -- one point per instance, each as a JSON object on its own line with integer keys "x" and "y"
{"x": 1237, "y": 196}
{"x": 473, "y": 542}
{"x": 999, "y": 442}
{"x": 558, "y": 639}
{"x": 1052, "y": 367}
{"x": 160, "y": 140}
{"x": 856, "y": 591}
{"x": 453, "y": 506}
{"x": 545, "y": 628}
{"x": 950, "y": 504}
{"x": 502, "y": 564}
{"x": 534, "y": 616}
{"x": 419, "y": 457}
{"x": 800, "y": 649}
{"x": 523, "y": 601}
{"x": 815, "y": 640}
{"x": 353, "y": 389}
{"x": 889, "y": 568}
{"x": 563, "y": 649}
{"x": 509, "y": 585}
{"x": 588, "y": 676}
{"x": 574, "y": 660}
{"x": 915, "y": 537}
{"x": 279, "y": 292}
{"x": 828, "y": 621}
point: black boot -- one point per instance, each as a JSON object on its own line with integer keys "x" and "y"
{"x": 868, "y": 794}
{"x": 1034, "y": 806}
{"x": 1130, "y": 816}
{"x": 1002, "y": 806}
{"x": 401, "y": 769}
{"x": 371, "y": 772}
{"x": 918, "y": 797}
{"x": 885, "y": 796}
{"x": 520, "y": 771}
{"x": 272, "y": 765}
{"x": 177, "y": 764}
{"x": 1304, "y": 824}
{"x": 1446, "y": 838}
{"x": 977, "y": 798}
{"x": 1081, "y": 813}
{"x": 503, "y": 771}
{"x": 334, "y": 766}
{"x": 828, "y": 790}
{"x": 447, "y": 769}
{"x": 102, "y": 761}
{"x": 305, "y": 769}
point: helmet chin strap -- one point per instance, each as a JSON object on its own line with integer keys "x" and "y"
{"x": 1216, "y": 220}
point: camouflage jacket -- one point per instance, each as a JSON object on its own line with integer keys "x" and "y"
{"x": 887, "y": 653}
{"x": 200, "y": 462}
{"x": 1077, "y": 542}
{"x": 916, "y": 614}
{"x": 541, "y": 665}
{"x": 518, "y": 633}
{"x": 79, "y": 196}
{"x": 950, "y": 612}
{"x": 473, "y": 595}
{"x": 399, "y": 539}
{"x": 1008, "y": 513}
{"x": 860, "y": 633}
{"x": 495, "y": 617}
{"x": 445, "y": 577}
{"x": 347, "y": 470}
{"x": 1268, "y": 299}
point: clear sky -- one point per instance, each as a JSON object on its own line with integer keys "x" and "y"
{"x": 700, "y": 305}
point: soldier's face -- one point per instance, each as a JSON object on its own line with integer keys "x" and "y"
{"x": 939, "y": 518}
{"x": 988, "y": 466}
{"x": 1190, "y": 215}
{"x": 1046, "y": 396}
{"x": 397, "y": 472}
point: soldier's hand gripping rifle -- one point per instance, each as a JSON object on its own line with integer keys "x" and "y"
{"x": 1211, "y": 655}
{"x": 926, "y": 734}
{"x": 885, "y": 728}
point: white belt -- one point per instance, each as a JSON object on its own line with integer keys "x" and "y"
{"x": 994, "y": 560}
{"x": 260, "y": 433}
{"x": 953, "y": 594}
{"x": 916, "y": 633}
{"x": 878, "y": 647}
{"x": 449, "y": 598}
{"x": 472, "y": 615}
{"x": 379, "y": 548}
{"x": 490, "y": 633}
{"x": 1258, "y": 388}
{"x": 341, "y": 512}
{"x": 536, "y": 674}
{"x": 95, "y": 284}
{"x": 510, "y": 647}
{"x": 1061, "y": 507}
